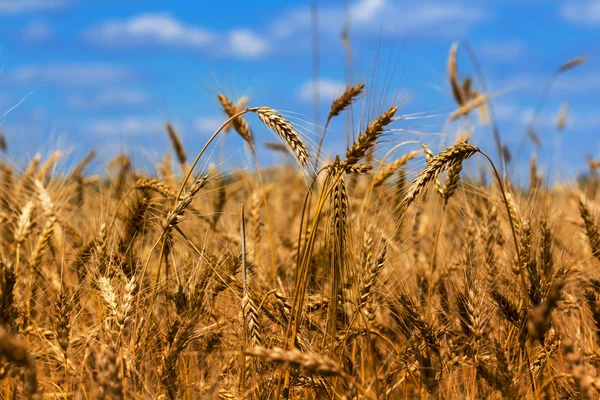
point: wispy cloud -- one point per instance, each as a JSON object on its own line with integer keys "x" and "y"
{"x": 70, "y": 74}
{"x": 5, "y": 101}
{"x": 577, "y": 120}
{"x": 328, "y": 89}
{"x": 450, "y": 19}
{"x": 208, "y": 124}
{"x": 20, "y": 6}
{"x": 37, "y": 32}
{"x": 578, "y": 83}
{"x": 572, "y": 83}
{"x": 581, "y": 12}
{"x": 114, "y": 98}
{"x": 365, "y": 11}
{"x": 502, "y": 50}
{"x": 126, "y": 126}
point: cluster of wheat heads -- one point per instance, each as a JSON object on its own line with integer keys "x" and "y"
{"x": 359, "y": 284}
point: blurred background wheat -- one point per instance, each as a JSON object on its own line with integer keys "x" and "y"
{"x": 362, "y": 199}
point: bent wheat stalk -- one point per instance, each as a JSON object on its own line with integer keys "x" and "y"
{"x": 447, "y": 159}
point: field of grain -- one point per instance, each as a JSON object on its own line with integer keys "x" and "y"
{"x": 369, "y": 275}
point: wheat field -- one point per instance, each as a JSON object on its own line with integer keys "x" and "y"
{"x": 368, "y": 275}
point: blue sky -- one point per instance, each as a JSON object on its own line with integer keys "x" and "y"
{"x": 109, "y": 74}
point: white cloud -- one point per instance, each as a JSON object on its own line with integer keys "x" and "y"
{"x": 208, "y": 124}
{"x": 577, "y": 83}
{"x": 19, "y": 6}
{"x": 583, "y": 12}
{"x": 365, "y": 11}
{"x": 571, "y": 83}
{"x": 508, "y": 50}
{"x": 247, "y": 44}
{"x": 420, "y": 18}
{"x": 37, "y": 32}
{"x": 329, "y": 89}
{"x": 577, "y": 121}
{"x": 149, "y": 29}
{"x": 126, "y": 126}
{"x": 5, "y": 101}
{"x": 330, "y": 19}
{"x": 385, "y": 17}
{"x": 108, "y": 98}
{"x": 506, "y": 111}
{"x": 70, "y": 74}
{"x": 290, "y": 23}
{"x": 367, "y": 17}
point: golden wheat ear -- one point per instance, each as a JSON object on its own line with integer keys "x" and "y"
{"x": 445, "y": 160}
{"x": 345, "y": 99}
{"x": 177, "y": 144}
{"x": 457, "y": 91}
{"x": 571, "y": 64}
{"x": 286, "y": 132}
{"x": 240, "y": 125}
{"x": 367, "y": 139}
